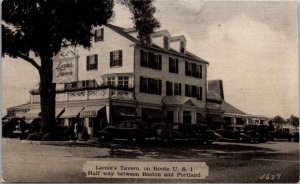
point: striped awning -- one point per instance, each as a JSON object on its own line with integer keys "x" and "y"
{"x": 71, "y": 112}
{"x": 33, "y": 113}
{"x": 90, "y": 111}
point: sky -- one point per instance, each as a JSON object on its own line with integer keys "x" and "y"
{"x": 251, "y": 45}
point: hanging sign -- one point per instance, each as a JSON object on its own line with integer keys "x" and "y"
{"x": 65, "y": 68}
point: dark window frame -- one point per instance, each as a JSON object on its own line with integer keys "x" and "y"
{"x": 116, "y": 62}
{"x": 93, "y": 66}
{"x": 101, "y": 36}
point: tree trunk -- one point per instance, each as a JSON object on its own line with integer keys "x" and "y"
{"x": 47, "y": 94}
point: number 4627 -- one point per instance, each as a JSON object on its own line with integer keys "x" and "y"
{"x": 268, "y": 176}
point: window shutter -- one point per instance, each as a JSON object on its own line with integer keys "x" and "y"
{"x": 186, "y": 90}
{"x": 200, "y": 95}
{"x": 87, "y": 62}
{"x": 176, "y": 66}
{"x": 159, "y": 62}
{"x": 111, "y": 59}
{"x": 170, "y": 64}
{"x": 96, "y": 61}
{"x": 102, "y": 34}
{"x": 141, "y": 84}
{"x": 200, "y": 71}
{"x": 180, "y": 89}
{"x": 159, "y": 87}
{"x": 193, "y": 69}
{"x": 186, "y": 68}
{"x": 142, "y": 62}
{"x": 120, "y": 57}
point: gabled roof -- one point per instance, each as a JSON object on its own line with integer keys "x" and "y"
{"x": 125, "y": 33}
{"x": 228, "y": 108}
{"x": 177, "y": 100}
{"x": 20, "y": 107}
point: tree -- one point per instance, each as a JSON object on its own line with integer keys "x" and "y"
{"x": 293, "y": 120}
{"x": 41, "y": 28}
{"x": 278, "y": 121}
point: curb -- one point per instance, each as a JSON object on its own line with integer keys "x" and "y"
{"x": 58, "y": 143}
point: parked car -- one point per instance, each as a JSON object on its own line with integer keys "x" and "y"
{"x": 129, "y": 131}
{"x": 258, "y": 133}
{"x": 282, "y": 134}
{"x": 197, "y": 133}
{"x": 234, "y": 135}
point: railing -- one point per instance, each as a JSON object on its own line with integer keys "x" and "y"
{"x": 88, "y": 94}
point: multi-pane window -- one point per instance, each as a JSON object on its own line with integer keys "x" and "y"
{"x": 198, "y": 71}
{"x": 116, "y": 58}
{"x": 177, "y": 88}
{"x": 193, "y": 69}
{"x": 80, "y": 84}
{"x": 188, "y": 90}
{"x": 173, "y": 89}
{"x": 182, "y": 49}
{"x": 173, "y": 65}
{"x": 193, "y": 91}
{"x": 169, "y": 88}
{"x": 92, "y": 62}
{"x": 150, "y": 60}
{"x": 99, "y": 34}
{"x": 150, "y": 85}
{"x": 110, "y": 81}
{"x": 123, "y": 81}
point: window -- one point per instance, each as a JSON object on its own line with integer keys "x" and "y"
{"x": 198, "y": 71}
{"x": 192, "y": 69}
{"x": 143, "y": 85}
{"x": 169, "y": 89}
{"x": 116, "y": 58}
{"x": 110, "y": 81}
{"x": 92, "y": 62}
{"x": 150, "y": 85}
{"x": 188, "y": 90}
{"x": 182, "y": 50}
{"x": 150, "y": 60}
{"x": 188, "y": 69}
{"x": 177, "y": 89}
{"x": 99, "y": 34}
{"x": 193, "y": 91}
{"x": 123, "y": 81}
{"x": 173, "y": 65}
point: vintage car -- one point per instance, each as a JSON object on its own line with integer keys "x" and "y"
{"x": 229, "y": 134}
{"x": 258, "y": 133}
{"x": 197, "y": 133}
{"x": 282, "y": 135}
{"x": 128, "y": 131}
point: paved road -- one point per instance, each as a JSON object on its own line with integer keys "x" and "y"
{"x": 228, "y": 162}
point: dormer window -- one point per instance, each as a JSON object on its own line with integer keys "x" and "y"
{"x": 99, "y": 34}
{"x": 182, "y": 47}
{"x": 166, "y": 42}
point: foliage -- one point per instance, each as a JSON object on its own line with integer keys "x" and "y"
{"x": 143, "y": 18}
{"x": 278, "y": 121}
{"x": 293, "y": 120}
{"x": 44, "y": 27}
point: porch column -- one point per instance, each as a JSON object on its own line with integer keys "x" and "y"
{"x": 108, "y": 111}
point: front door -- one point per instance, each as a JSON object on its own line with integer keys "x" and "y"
{"x": 187, "y": 117}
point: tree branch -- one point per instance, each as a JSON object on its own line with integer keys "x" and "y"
{"x": 30, "y": 60}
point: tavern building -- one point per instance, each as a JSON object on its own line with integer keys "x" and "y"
{"x": 119, "y": 78}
